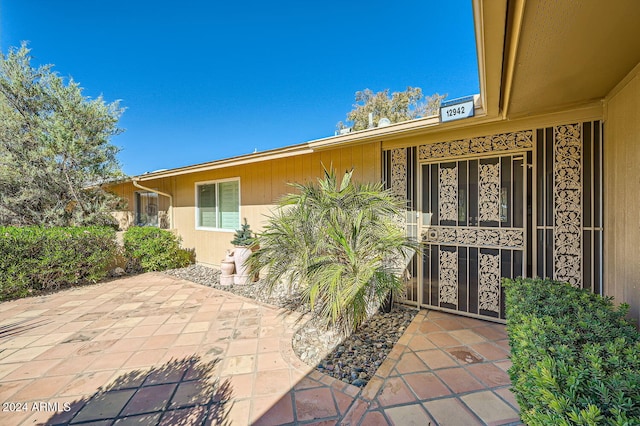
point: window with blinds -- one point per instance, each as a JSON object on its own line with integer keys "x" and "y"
{"x": 218, "y": 205}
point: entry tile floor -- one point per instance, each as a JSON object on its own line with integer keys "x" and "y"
{"x": 444, "y": 370}
{"x": 154, "y": 349}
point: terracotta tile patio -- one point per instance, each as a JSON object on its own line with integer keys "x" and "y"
{"x": 154, "y": 349}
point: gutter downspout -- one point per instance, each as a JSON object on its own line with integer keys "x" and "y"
{"x": 137, "y": 185}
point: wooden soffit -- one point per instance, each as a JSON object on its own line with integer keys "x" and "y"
{"x": 561, "y": 53}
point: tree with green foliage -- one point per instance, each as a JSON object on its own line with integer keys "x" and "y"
{"x": 339, "y": 245}
{"x": 397, "y": 107}
{"x": 55, "y": 148}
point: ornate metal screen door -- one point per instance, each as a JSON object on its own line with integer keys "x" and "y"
{"x": 474, "y": 226}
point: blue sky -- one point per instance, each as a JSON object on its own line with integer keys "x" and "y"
{"x": 204, "y": 80}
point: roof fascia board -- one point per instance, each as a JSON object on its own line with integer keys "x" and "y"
{"x": 480, "y": 51}
{"x": 586, "y": 112}
{"x": 370, "y": 135}
{"x": 490, "y": 23}
{"x": 514, "y": 29}
{"x": 559, "y": 109}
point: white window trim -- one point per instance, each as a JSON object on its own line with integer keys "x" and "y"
{"x": 197, "y": 202}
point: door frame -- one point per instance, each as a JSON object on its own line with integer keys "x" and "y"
{"x": 526, "y": 156}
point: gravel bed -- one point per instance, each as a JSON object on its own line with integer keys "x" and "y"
{"x": 211, "y": 277}
{"x": 353, "y": 359}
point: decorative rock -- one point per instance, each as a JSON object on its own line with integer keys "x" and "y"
{"x": 118, "y": 272}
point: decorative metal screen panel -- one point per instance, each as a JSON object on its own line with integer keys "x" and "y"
{"x": 448, "y": 193}
{"x": 489, "y": 291}
{"x": 399, "y": 171}
{"x": 567, "y": 198}
{"x": 449, "y": 277}
{"x": 399, "y": 175}
{"x": 481, "y": 145}
{"x": 474, "y": 236}
{"x": 568, "y": 227}
{"x": 489, "y": 192}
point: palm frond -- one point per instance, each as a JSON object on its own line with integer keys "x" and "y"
{"x": 338, "y": 244}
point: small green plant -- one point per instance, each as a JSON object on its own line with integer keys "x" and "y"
{"x": 244, "y": 236}
{"x": 576, "y": 360}
{"x": 34, "y": 259}
{"x": 154, "y": 249}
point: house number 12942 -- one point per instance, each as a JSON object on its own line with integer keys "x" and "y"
{"x": 456, "y": 111}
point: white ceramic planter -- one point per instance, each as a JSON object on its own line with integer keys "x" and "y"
{"x": 240, "y": 256}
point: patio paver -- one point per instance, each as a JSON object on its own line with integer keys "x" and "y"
{"x": 154, "y": 349}
{"x": 460, "y": 380}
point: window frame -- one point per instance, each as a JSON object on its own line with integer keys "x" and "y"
{"x": 197, "y": 204}
{"x": 137, "y": 197}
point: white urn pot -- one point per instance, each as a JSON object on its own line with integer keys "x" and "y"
{"x": 240, "y": 256}
{"x": 227, "y": 268}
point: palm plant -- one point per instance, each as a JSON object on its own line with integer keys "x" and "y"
{"x": 339, "y": 244}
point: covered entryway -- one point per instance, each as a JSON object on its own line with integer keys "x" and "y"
{"x": 525, "y": 203}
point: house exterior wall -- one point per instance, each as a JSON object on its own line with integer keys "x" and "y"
{"x": 621, "y": 189}
{"x": 261, "y": 185}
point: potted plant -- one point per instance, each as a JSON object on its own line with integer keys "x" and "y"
{"x": 243, "y": 242}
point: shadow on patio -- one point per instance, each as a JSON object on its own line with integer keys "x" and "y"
{"x": 180, "y": 392}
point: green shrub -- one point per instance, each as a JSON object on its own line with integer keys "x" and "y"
{"x": 35, "y": 258}
{"x": 154, "y": 249}
{"x": 576, "y": 360}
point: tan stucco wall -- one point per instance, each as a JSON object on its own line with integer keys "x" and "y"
{"x": 622, "y": 194}
{"x": 261, "y": 185}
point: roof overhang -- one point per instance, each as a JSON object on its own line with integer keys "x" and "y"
{"x": 490, "y": 17}
{"x": 562, "y": 54}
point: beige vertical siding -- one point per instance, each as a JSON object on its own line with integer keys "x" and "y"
{"x": 622, "y": 195}
{"x": 261, "y": 185}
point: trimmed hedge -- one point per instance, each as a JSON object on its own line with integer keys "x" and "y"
{"x": 35, "y": 258}
{"x": 576, "y": 360}
{"x": 154, "y": 249}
